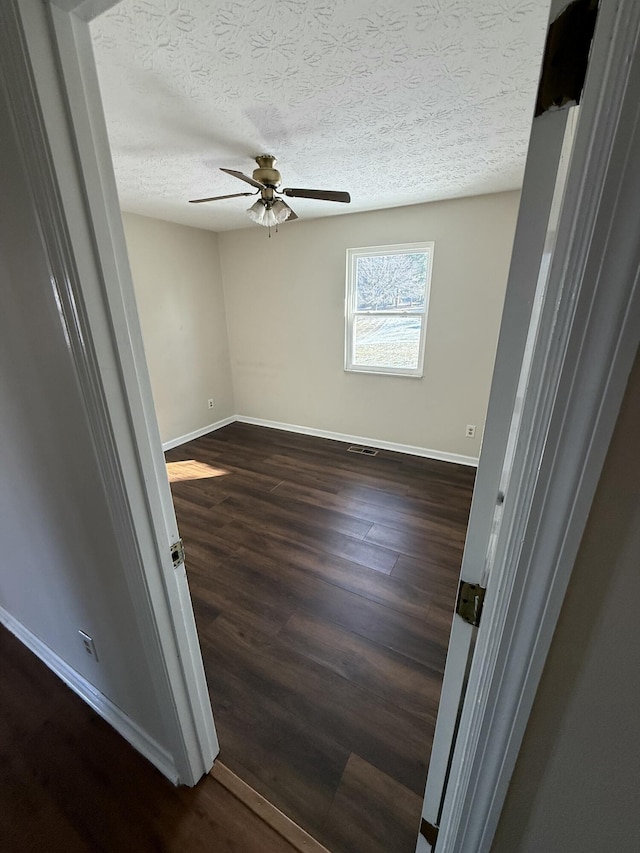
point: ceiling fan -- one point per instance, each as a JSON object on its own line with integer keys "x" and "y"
{"x": 269, "y": 209}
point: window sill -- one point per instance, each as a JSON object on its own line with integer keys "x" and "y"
{"x": 381, "y": 371}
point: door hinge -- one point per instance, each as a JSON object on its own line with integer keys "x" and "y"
{"x": 429, "y": 832}
{"x": 177, "y": 553}
{"x": 470, "y": 601}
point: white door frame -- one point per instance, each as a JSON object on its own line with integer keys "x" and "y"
{"x": 593, "y": 334}
{"x": 534, "y": 241}
{"x": 586, "y": 341}
{"x": 48, "y": 59}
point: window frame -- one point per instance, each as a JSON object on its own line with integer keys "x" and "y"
{"x": 351, "y": 312}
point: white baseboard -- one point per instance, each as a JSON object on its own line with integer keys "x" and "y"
{"x": 190, "y": 436}
{"x": 441, "y": 455}
{"x": 409, "y": 449}
{"x": 124, "y": 725}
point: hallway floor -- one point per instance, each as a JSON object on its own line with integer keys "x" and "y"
{"x": 70, "y": 784}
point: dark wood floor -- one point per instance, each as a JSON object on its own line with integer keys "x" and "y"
{"x": 323, "y": 585}
{"x": 70, "y": 784}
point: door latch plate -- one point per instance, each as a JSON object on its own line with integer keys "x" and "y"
{"x": 177, "y": 553}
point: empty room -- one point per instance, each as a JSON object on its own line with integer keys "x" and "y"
{"x": 321, "y": 359}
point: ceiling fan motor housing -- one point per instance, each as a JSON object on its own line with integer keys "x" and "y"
{"x": 265, "y": 173}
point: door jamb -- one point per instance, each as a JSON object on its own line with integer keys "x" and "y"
{"x": 587, "y": 340}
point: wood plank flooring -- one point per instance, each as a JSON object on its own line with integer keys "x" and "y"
{"x": 70, "y": 784}
{"x": 323, "y": 584}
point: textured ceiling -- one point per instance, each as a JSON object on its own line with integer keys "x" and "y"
{"x": 396, "y": 102}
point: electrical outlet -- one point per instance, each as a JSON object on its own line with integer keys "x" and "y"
{"x": 210, "y": 403}
{"x": 470, "y": 432}
{"x": 89, "y": 645}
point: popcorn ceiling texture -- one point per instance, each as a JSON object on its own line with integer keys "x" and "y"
{"x": 396, "y": 102}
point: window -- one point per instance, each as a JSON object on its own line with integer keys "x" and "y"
{"x": 386, "y": 308}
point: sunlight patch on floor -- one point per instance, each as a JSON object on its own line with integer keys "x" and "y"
{"x": 189, "y": 469}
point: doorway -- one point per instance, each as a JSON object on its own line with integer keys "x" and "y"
{"x": 181, "y": 460}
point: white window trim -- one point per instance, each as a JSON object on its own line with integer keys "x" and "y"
{"x": 351, "y": 312}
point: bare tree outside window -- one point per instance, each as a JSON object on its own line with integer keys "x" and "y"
{"x": 388, "y": 282}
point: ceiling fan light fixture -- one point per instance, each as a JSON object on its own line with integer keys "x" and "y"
{"x": 269, "y": 218}
{"x": 268, "y": 213}
{"x": 280, "y": 210}
{"x": 257, "y": 212}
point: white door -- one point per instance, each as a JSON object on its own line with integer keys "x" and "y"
{"x": 543, "y": 189}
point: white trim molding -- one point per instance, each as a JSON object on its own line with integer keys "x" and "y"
{"x": 159, "y": 591}
{"x": 587, "y": 339}
{"x": 409, "y": 449}
{"x": 198, "y": 433}
{"x": 47, "y": 59}
{"x": 101, "y": 704}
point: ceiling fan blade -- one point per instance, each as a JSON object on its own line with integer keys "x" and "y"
{"x": 218, "y": 197}
{"x": 322, "y": 195}
{"x": 244, "y": 177}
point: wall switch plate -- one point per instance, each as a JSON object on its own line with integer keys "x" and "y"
{"x": 470, "y": 431}
{"x": 210, "y": 403}
{"x": 89, "y": 645}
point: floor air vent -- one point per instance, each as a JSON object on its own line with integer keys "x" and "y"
{"x": 365, "y": 451}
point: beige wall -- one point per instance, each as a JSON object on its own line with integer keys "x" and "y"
{"x": 285, "y": 314}
{"x": 178, "y": 285}
{"x": 63, "y": 566}
{"x": 576, "y": 785}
